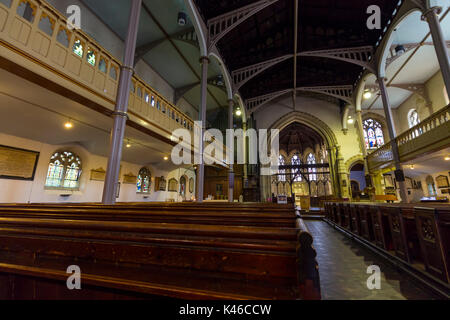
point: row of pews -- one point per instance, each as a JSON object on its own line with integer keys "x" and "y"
{"x": 417, "y": 234}
{"x": 157, "y": 250}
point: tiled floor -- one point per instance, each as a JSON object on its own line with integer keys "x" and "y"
{"x": 343, "y": 264}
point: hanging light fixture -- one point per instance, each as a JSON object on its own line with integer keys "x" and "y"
{"x": 350, "y": 120}
{"x": 399, "y": 50}
{"x": 182, "y": 18}
{"x": 68, "y": 125}
{"x": 128, "y": 145}
{"x": 238, "y": 112}
{"x": 367, "y": 95}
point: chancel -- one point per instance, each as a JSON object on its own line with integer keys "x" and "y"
{"x": 101, "y": 171}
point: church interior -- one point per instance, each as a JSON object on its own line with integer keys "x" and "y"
{"x": 97, "y": 95}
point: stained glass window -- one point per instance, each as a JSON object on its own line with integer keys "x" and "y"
{"x": 282, "y": 172}
{"x": 143, "y": 181}
{"x": 63, "y": 37}
{"x": 102, "y": 65}
{"x": 373, "y": 134}
{"x": 78, "y": 48}
{"x": 64, "y": 171}
{"x": 46, "y": 24}
{"x": 312, "y": 160}
{"x": 26, "y": 10}
{"x": 296, "y": 172}
{"x": 182, "y": 186}
{"x": 413, "y": 118}
{"x": 90, "y": 57}
{"x": 113, "y": 73}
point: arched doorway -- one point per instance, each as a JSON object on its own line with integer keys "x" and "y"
{"x": 304, "y": 166}
{"x": 357, "y": 180}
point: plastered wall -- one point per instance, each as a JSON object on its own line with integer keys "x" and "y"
{"x": 16, "y": 191}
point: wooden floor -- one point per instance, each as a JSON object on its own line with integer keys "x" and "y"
{"x": 343, "y": 266}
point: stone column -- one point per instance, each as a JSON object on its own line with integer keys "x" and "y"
{"x": 202, "y": 118}
{"x": 120, "y": 111}
{"x": 399, "y": 174}
{"x": 231, "y": 164}
{"x": 342, "y": 172}
{"x": 440, "y": 45}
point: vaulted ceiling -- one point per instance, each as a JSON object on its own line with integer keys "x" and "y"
{"x": 322, "y": 24}
{"x": 299, "y": 137}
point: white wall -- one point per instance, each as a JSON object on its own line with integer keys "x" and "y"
{"x": 16, "y": 191}
{"x": 434, "y": 175}
{"x": 435, "y": 88}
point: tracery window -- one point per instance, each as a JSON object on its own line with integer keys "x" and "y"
{"x": 26, "y": 10}
{"x": 413, "y": 118}
{"x": 144, "y": 181}
{"x": 312, "y": 171}
{"x": 183, "y": 183}
{"x": 373, "y": 134}
{"x": 282, "y": 172}
{"x": 64, "y": 171}
{"x": 78, "y": 48}
{"x": 102, "y": 65}
{"x": 296, "y": 172}
{"x": 91, "y": 58}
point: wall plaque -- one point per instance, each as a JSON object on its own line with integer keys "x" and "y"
{"x": 98, "y": 174}
{"x": 442, "y": 181}
{"x": 17, "y": 164}
{"x": 129, "y": 178}
{"x": 160, "y": 184}
{"x": 173, "y": 185}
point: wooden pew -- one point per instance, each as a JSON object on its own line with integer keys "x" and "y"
{"x": 419, "y": 234}
{"x": 366, "y": 222}
{"x": 354, "y": 220}
{"x": 193, "y": 261}
{"x": 398, "y": 232}
{"x": 432, "y": 228}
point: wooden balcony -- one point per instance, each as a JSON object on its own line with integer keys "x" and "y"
{"x": 35, "y": 36}
{"x": 431, "y": 135}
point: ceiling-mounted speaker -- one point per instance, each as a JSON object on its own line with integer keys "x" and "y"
{"x": 399, "y": 50}
{"x": 182, "y": 18}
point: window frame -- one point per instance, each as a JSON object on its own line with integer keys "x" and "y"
{"x": 66, "y": 162}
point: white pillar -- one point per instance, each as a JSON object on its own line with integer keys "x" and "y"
{"x": 440, "y": 45}
{"x": 231, "y": 171}
{"x": 202, "y": 118}
{"x": 399, "y": 174}
{"x": 120, "y": 112}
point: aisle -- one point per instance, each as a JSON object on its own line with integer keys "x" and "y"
{"x": 343, "y": 265}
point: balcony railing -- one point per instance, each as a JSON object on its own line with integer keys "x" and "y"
{"x": 36, "y": 30}
{"x": 430, "y": 135}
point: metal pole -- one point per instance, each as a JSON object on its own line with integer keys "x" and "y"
{"x": 204, "y": 61}
{"x": 440, "y": 45}
{"x": 120, "y": 112}
{"x": 399, "y": 174}
{"x": 231, "y": 143}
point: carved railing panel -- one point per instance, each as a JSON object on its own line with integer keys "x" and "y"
{"x": 33, "y": 28}
{"x": 432, "y": 134}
